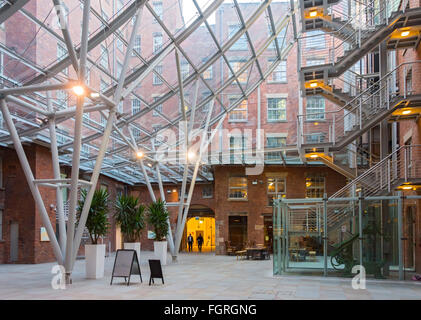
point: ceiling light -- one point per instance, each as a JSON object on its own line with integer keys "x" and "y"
{"x": 406, "y": 112}
{"x": 174, "y": 190}
{"x": 149, "y": 164}
{"x": 313, "y": 13}
{"x": 404, "y": 33}
{"x": 314, "y": 156}
{"x": 139, "y": 154}
{"x": 191, "y": 155}
{"x": 78, "y": 90}
{"x": 313, "y": 84}
{"x": 94, "y": 95}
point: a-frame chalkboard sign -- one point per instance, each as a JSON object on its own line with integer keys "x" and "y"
{"x": 126, "y": 263}
{"x": 156, "y": 271}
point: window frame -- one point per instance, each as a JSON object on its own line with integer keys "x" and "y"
{"x": 230, "y": 188}
{"x": 270, "y": 108}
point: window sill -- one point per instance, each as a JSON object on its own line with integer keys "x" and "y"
{"x": 234, "y": 199}
{"x": 315, "y": 120}
{"x": 277, "y": 121}
{"x": 277, "y": 82}
{"x": 229, "y": 121}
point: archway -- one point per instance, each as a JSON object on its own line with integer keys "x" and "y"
{"x": 200, "y": 220}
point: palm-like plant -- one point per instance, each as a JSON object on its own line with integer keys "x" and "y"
{"x": 157, "y": 217}
{"x": 130, "y": 217}
{"x": 97, "y": 222}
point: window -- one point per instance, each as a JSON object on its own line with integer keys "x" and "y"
{"x": 241, "y": 43}
{"x": 157, "y": 109}
{"x": 236, "y": 67}
{"x": 135, "y": 105}
{"x": 104, "y": 16}
{"x": 315, "y": 40}
{"x": 85, "y": 150}
{"x": 157, "y": 42}
{"x": 66, "y": 15}
{"x": 120, "y": 107}
{"x": 137, "y": 45}
{"x": 275, "y": 142}
{"x": 157, "y": 7}
{"x": 155, "y": 79}
{"x": 61, "y": 54}
{"x": 61, "y": 136}
{"x": 237, "y": 188}
{"x": 314, "y": 62}
{"x": 207, "y": 191}
{"x": 315, "y": 109}
{"x": 315, "y": 186}
{"x": 62, "y": 98}
{"x": 280, "y": 38}
{"x": 276, "y": 189}
{"x": 237, "y": 146}
{"x": 277, "y": 109}
{"x": 136, "y": 133}
{"x": 103, "y": 85}
{"x": 119, "y": 44}
{"x": 280, "y": 73}
{"x": 61, "y": 51}
{"x": 208, "y": 73}
{"x": 103, "y": 120}
{"x": 239, "y": 113}
{"x": 158, "y": 138}
{"x": 119, "y": 68}
{"x": 104, "y": 57}
{"x": 120, "y": 5}
{"x": 205, "y": 107}
{"x": 317, "y": 137}
{"x": 185, "y": 69}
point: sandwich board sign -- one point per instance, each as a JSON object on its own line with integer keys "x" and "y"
{"x": 156, "y": 270}
{"x": 126, "y": 263}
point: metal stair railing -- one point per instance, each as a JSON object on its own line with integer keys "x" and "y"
{"x": 401, "y": 166}
{"x": 357, "y": 114}
{"x": 334, "y": 45}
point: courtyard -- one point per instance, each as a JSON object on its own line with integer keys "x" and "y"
{"x": 196, "y": 277}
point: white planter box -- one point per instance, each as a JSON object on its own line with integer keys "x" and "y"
{"x": 133, "y": 246}
{"x": 94, "y": 260}
{"x": 160, "y": 251}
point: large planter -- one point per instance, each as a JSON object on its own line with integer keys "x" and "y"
{"x": 133, "y": 246}
{"x": 160, "y": 251}
{"x": 95, "y": 260}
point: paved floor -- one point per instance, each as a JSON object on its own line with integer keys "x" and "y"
{"x": 196, "y": 276}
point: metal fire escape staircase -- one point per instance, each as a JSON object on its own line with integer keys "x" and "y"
{"x": 361, "y": 107}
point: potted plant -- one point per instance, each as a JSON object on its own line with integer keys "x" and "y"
{"x": 130, "y": 217}
{"x": 97, "y": 225}
{"x": 157, "y": 218}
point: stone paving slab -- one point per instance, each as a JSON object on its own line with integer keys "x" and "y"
{"x": 196, "y": 276}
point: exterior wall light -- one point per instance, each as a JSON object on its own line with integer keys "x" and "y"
{"x": 406, "y": 112}
{"x": 139, "y": 154}
{"x": 404, "y": 33}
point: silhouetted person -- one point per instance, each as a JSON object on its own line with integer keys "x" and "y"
{"x": 190, "y": 242}
{"x": 199, "y": 242}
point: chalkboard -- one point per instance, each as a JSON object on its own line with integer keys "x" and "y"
{"x": 156, "y": 270}
{"x": 126, "y": 263}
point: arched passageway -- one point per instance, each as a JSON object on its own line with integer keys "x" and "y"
{"x": 200, "y": 221}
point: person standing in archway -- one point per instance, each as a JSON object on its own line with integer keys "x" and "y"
{"x": 190, "y": 242}
{"x": 200, "y": 242}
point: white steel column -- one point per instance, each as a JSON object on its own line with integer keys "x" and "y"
{"x": 71, "y": 250}
{"x": 56, "y": 170}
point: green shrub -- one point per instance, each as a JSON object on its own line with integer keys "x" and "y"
{"x": 157, "y": 217}
{"x": 130, "y": 217}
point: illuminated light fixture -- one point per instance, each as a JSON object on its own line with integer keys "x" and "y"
{"x": 406, "y": 112}
{"x": 94, "y": 95}
{"x": 314, "y": 156}
{"x": 174, "y": 190}
{"x": 316, "y": 123}
{"x": 313, "y": 13}
{"x": 149, "y": 164}
{"x": 313, "y": 84}
{"x": 358, "y": 190}
{"x": 407, "y": 187}
{"x": 404, "y": 33}
{"x": 191, "y": 155}
{"x": 139, "y": 154}
{"x": 78, "y": 90}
